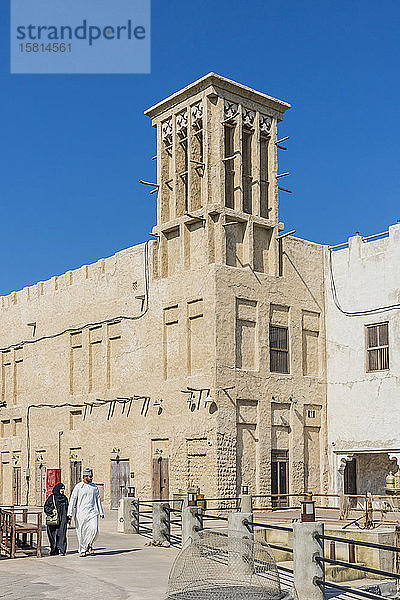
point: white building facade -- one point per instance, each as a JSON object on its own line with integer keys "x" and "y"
{"x": 362, "y": 285}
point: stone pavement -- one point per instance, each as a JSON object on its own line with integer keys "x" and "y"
{"x": 123, "y": 568}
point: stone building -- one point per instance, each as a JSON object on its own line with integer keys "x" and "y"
{"x": 194, "y": 359}
{"x": 363, "y": 361}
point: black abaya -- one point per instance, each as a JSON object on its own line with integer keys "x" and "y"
{"x": 57, "y": 534}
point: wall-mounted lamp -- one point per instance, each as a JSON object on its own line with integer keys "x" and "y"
{"x": 192, "y": 499}
{"x": 307, "y": 514}
{"x": 208, "y": 400}
{"x": 39, "y": 459}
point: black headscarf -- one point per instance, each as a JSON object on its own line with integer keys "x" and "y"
{"x": 59, "y": 499}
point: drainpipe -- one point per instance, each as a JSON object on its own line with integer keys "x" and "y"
{"x": 59, "y": 448}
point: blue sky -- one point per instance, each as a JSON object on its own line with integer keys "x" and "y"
{"x": 72, "y": 147}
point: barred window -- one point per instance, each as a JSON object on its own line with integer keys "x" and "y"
{"x": 278, "y": 349}
{"x": 377, "y": 342}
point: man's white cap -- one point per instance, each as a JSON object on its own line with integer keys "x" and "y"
{"x": 87, "y": 471}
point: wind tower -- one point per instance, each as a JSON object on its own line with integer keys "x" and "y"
{"x": 217, "y": 177}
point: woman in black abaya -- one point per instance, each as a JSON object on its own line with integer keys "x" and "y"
{"x": 57, "y": 534}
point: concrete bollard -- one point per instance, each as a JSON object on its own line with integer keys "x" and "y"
{"x": 305, "y": 568}
{"x": 127, "y": 515}
{"x": 192, "y": 523}
{"x": 246, "y": 503}
{"x": 240, "y": 543}
{"x": 161, "y": 522}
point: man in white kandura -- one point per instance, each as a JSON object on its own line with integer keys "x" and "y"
{"x": 85, "y": 498}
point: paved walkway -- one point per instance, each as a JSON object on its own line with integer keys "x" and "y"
{"x": 123, "y": 568}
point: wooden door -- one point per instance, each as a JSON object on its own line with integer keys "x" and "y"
{"x": 279, "y": 476}
{"x": 350, "y": 477}
{"x": 75, "y": 473}
{"x": 119, "y": 481}
{"x": 350, "y": 481}
{"x": 40, "y": 483}
{"x": 246, "y": 457}
{"x": 16, "y": 485}
{"x": 160, "y": 479}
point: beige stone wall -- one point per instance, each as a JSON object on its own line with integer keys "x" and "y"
{"x": 206, "y": 330}
{"x": 116, "y": 359}
{"x": 273, "y": 408}
{"x": 173, "y": 322}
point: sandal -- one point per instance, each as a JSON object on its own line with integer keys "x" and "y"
{"x": 90, "y": 550}
{"x": 82, "y": 554}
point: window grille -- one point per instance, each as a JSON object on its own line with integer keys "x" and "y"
{"x": 377, "y": 341}
{"x": 278, "y": 349}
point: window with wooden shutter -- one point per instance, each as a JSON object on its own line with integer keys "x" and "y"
{"x": 278, "y": 349}
{"x": 377, "y": 342}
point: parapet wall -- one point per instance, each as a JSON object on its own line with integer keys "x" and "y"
{"x": 76, "y": 297}
{"x": 366, "y": 274}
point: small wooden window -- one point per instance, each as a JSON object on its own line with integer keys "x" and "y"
{"x": 311, "y": 413}
{"x": 377, "y": 342}
{"x": 279, "y": 477}
{"x": 278, "y": 349}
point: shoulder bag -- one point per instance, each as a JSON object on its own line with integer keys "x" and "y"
{"x": 53, "y": 519}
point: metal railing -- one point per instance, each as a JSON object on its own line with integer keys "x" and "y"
{"x": 351, "y": 564}
{"x": 276, "y": 527}
{"x": 143, "y": 514}
{"x": 349, "y": 590}
{"x": 143, "y": 519}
